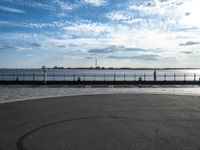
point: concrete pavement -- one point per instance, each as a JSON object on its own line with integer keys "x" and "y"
{"x": 102, "y": 122}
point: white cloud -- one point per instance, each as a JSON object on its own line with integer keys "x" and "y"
{"x": 189, "y": 13}
{"x": 95, "y": 2}
{"x": 11, "y": 10}
{"x": 87, "y": 29}
{"x": 118, "y": 16}
{"x": 170, "y": 13}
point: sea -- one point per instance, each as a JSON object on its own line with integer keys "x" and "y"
{"x": 99, "y": 74}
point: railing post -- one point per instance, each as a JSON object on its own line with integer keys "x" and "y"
{"x": 74, "y": 77}
{"x": 134, "y": 77}
{"x": 164, "y": 77}
{"x": 154, "y": 74}
{"x": 23, "y": 77}
{"x": 194, "y": 76}
{"x": 184, "y": 77}
{"x": 3, "y": 76}
{"x": 45, "y": 77}
{"x": 53, "y": 76}
{"x": 33, "y": 76}
{"x": 114, "y": 77}
{"x": 174, "y": 77}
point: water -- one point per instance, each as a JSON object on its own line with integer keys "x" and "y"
{"x": 99, "y": 74}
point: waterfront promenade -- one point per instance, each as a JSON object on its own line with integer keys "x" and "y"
{"x": 91, "y": 122}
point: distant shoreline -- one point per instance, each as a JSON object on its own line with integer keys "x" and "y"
{"x": 109, "y": 68}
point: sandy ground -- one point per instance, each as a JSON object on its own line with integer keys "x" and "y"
{"x": 10, "y": 93}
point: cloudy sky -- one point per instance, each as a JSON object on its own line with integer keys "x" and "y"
{"x": 120, "y": 33}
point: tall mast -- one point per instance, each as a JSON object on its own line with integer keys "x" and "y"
{"x": 95, "y": 61}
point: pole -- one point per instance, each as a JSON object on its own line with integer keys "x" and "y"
{"x": 194, "y": 76}
{"x": 95, "y": 61}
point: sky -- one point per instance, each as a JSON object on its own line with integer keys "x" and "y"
{"x": 119, "y": 33}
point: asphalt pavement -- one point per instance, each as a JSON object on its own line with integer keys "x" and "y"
{"x": 102, "y": 122}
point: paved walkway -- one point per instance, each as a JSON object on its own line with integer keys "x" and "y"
{"x": 102, "y": 122}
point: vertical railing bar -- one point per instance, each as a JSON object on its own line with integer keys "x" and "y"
{"x": 184, "y": 77}
{"x": 174, "y": 76}
{"x": 33, "y": 77}
{"x": 74, "y": 77}
{"x": 134, "y": 76}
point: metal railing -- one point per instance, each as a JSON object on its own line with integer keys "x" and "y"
{"x": 97, "y": 77}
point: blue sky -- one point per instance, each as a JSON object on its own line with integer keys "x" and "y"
{"x": 120, "y": 33}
